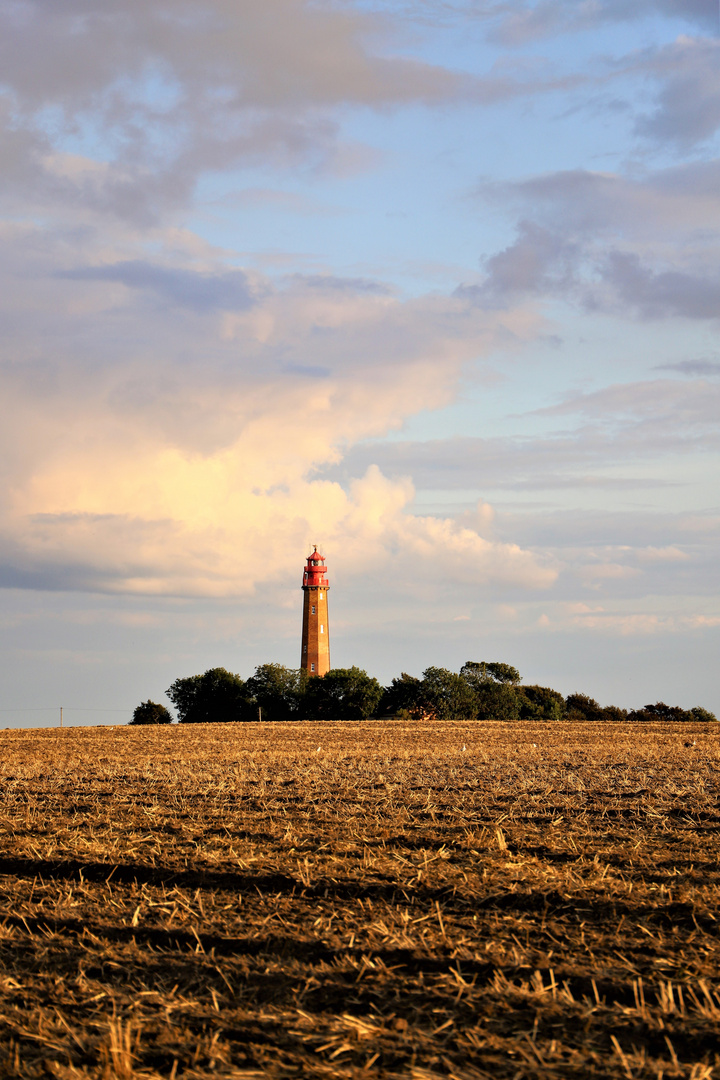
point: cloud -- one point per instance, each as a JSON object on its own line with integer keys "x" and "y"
{"x": 543, "y": 262}
{"x": 645, "y": 246}
{"x": 625, "y": 423}
{"x": 687, "y": 108}
{"x": 283, "y": 52}
{"x": 642, "y": 623}
{"x": 162, "y": 417}
{"x": 215, "y": 513}
{"x": 693, "y": 368}
{"x": 661, "y": 294}
{"x": 330, "y": 282}
{"x": 657, "y": 206}
{"x": 538, "y": 262}
{"x": 694, "y": 406}
{"x": 664, "y": 554}
{"x": 190, "y": 289}
{"x": 312, "y": 371}
{"x": 518, "y": 23}
{"x": 118, "y": 109}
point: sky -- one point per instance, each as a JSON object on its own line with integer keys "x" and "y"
{"x": 433, "y": 284}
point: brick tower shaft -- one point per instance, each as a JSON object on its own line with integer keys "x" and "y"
{"x": 315, "y": 651}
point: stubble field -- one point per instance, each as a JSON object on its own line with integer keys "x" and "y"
{"x": 360, "y": 900}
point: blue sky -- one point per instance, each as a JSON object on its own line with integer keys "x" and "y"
{"x": 433, "y": 284}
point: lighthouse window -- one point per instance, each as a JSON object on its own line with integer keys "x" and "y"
{"x": 322, "y": 628}
{"x": 313, "y": 609}
{"x": 312, "y": 667}
{"x": 320, "y": 595}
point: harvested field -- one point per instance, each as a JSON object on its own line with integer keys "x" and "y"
{"x": 360, "y": 900}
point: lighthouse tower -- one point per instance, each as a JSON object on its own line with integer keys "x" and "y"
{"x": 315, "y": 655}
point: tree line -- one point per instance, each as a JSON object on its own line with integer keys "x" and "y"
{"x": 479, "y": 691}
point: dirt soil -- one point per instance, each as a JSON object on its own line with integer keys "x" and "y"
{"x": 360, "y": 900}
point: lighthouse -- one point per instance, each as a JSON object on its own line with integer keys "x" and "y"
{"x": 315, "y": 655}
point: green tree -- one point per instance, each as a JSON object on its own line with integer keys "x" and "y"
{"x": 341, "y": 694}
{"x": 447, "y": 696}
{"x": 660, "y": 711}
{"x": 479, "y": 672}
{"x": 540, "y": 703}
{"x": 217, "y": 696}
{"x": 583, "y": 707}
{"x": 494, "y": 686}
{"x": 703, "y": 716}
{"x": 404, "y": 695}
{"x": 277, "y": 691}
{"x": 149, "y": 712}
{"x": 497, "y": 701}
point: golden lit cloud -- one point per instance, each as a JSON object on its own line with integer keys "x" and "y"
{"x": 160, "y": 479}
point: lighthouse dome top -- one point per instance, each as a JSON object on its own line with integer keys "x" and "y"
{"x": 314, "y": 571}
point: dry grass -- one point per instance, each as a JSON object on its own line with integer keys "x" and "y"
{"x": 360, "y": 900}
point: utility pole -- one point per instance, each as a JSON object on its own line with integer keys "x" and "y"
{"x": 61, "y": 716}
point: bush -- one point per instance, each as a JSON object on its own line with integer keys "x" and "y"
{"x": 149, "y": 712}
{"x": 404, "y": 716}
